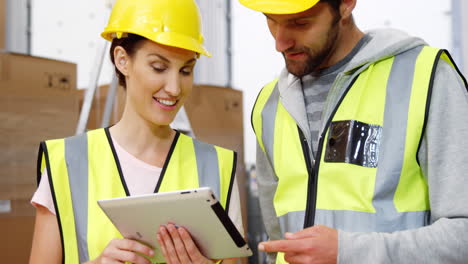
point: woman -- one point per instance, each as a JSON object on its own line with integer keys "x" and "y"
{"x": 155, "y": 45}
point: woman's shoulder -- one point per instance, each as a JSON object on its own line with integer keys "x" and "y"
{"x": 84, "y": 135}
{"x": 203, "y": 144}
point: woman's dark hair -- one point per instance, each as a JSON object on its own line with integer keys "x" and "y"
{"x": 334, "y": 3}
{"x": 130, "y": 45}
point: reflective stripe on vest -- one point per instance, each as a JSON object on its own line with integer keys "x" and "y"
{"x": 389, "y": 96}
{"x": 85, "y": 168}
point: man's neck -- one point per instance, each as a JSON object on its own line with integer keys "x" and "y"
{"x": 348, "y": 38}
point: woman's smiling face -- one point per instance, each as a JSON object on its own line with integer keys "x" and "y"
{"x": 159, "y": 79}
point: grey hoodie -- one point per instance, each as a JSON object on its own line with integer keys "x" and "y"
{"x": 443, "y": 157}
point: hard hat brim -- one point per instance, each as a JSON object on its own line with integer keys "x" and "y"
{"x": 280, "y": 7}
{"x": 165, "y": 38}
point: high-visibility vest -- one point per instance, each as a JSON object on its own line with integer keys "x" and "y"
{"x": 366, "y": 177}
{"x": 85, "y": 168}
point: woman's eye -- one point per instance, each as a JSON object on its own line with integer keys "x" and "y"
{"x": 159, "y": 69}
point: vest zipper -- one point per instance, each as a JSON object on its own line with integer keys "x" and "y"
{"x": 312, "y": 183}
{"x": 311, "y": 206}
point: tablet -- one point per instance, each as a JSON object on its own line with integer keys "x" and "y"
{"x": 198, "y": 210}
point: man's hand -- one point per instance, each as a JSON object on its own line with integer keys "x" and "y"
{"x": 313, "y": 245}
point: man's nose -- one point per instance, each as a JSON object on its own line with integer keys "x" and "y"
{"x": 283, "y": 39}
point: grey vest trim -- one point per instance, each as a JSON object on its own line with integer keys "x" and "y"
{"x": 207, "y": 166}
{"x": 292, "y": 221}
{"x": 353, "y": 221}
{"x": 76, "y": 157}
{"x": 386, "y": 218}
{"x": 268, "y": 123}
{"x": 393, "y": 140}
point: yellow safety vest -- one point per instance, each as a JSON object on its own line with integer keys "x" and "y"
{"x": 366, "y": 177}
{"x": 85, "y": 168}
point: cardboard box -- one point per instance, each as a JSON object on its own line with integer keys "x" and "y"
{"x": 16, "y": 238}
{"x": 99, "y": 103}
{"x": 38, "y": 101}
{"x": 216, "y": 115}
{"x": 17, "y": 227}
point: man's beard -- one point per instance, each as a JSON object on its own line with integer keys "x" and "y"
{"x": 314, "y": 59}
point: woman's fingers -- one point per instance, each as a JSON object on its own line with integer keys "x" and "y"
{"x": 125, "y": 250}
{"x": 162, "y": 246}
{"x": 126, "y": 256}
{"x": 190, "y": 246}
{"x": 178, "y": 244}
{"x": 132, "y": 245}
{"x": 169, "y": 251}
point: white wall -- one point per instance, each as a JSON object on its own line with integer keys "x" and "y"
{"x": 429, "y": 19}
{"x": 464, "y": 33}
{"x": 16, "y": 25}
{"x": 214, "y": 70}
{"x": 69, "y": 30}
{"x": 256, "y": 62}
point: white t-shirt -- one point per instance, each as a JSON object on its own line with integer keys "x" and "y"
{"x": 141, "y": 178}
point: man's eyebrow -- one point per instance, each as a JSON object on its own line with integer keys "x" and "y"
{"x": 299, "y": 18}
{"x": 291, "y": 19}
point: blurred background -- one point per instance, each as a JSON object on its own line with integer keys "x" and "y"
{"x": 56, "y": 80}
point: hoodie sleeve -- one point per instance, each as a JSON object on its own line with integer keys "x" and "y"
{"x": 267, "y": 182}
{"x": 443, "y": 158}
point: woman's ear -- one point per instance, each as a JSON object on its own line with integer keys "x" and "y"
{"x": 121, "y": 60}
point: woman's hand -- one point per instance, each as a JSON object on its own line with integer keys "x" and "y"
{"x": 124, "y": 250}
{"x": 47, "y": 248}
{"x": 178, "y": 246}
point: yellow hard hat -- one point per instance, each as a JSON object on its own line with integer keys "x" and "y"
{"x": 279, "y": 6}
{"x": 175, "y": 23}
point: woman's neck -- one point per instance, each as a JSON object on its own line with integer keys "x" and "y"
{"x": 144, "y": 140}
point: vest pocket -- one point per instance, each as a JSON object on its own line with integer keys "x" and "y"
{"x": 353, "y": 142}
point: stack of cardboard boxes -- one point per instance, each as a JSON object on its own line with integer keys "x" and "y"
{"x": 38, "y": 101}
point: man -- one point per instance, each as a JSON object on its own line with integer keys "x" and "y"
{"x": 362, "y": 142}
